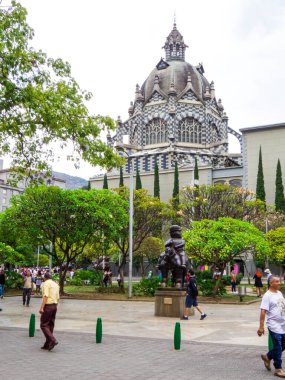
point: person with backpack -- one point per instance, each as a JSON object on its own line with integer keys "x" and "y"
{"x": 191, "y": 297}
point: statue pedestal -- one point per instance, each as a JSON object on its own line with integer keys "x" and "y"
{"x": 170, "y": 302}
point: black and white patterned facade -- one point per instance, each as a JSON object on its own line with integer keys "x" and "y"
{"x": 175, "y": 116}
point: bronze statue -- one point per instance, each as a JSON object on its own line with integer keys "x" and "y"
{"x": 173, "y": 259}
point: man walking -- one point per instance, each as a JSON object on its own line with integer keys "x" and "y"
{"x": 48, "y": 311}
{"x": 273, "y": 309}
{"x": 191, "y": 297}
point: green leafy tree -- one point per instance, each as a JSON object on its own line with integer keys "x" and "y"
{"x": 260, "y": 189}
{"x": 218, "y": 242}
{"x": 149, "y": 214}
{"x": 121, "y": 184}
{"x": 41, "y": 103}
{"x": 148, "y": 253}
{"x": 69, "y": 220}
{"x": 156, "y": 191}
{"x": 279, "y": 189}
{"x": 213, "y": 202}
{"x": 105, "y": 182}
{"x": 196, "y": 173}
{"x": 138, "y": 180}
{"x": 9, "y": 256}
{"x": 175, "y": 193}
{"x": 276, "y": 241}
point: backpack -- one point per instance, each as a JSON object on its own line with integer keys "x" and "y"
{"x": 192, "y": 287}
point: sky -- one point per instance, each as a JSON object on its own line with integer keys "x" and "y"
{"x": 113, "y": 45}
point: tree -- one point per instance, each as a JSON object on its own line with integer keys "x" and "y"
{"x": 9, "y": 255}
{"x": 121, "y": 184}
{"x": 41, "y": 103}
{"x": 279, "y": 189}
{"x": 138, "y": 180}
{"x": 68, "y": 220}
{"x": 218, "y": 242}
{"x": 156, "y": 190}
{"x": 175, "y": 193}
{"x": 150, "y": 249}
{"x": 105, "y": 182}
{"x": 260, "y": 189}
{"x": 196, "y": 173}
{"x": 276, "y": 241}
{"x": 213, "y": 202}
{"x": 149, "y": 214}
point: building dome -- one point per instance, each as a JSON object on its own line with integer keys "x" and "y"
{"x": 176, "y": 74}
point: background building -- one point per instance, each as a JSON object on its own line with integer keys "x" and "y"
{"x": 271, "y": 139}
{"x": 175, "y": 117}
{"x": 7, "y": 191}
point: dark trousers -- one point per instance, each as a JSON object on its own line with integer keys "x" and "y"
{"x": 27, "y": 295}
{"x": 278, "y": 341}
{"x": 47, "y": 323}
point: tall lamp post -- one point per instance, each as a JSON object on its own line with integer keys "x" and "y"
{"x": 127, "y": 149}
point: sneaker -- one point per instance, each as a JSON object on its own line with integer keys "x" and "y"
{"x": 266, "y": 362}
{"x": 203, "y": 316}
{"x": 184, "y": 318}
{"x": 279, "y": 373}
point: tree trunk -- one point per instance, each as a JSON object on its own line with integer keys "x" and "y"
{"x": 121, "y": 269}
{"x": 142, "y": 267}
{"x": 62, "y": 277}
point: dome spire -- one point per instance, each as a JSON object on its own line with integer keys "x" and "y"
{"x": 174, "y": 46}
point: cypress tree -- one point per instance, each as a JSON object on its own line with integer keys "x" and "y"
{"x": 279, "y": 189}
{"x": 156, "y": 191}
{"x": 260, "y": 189}
{"x": 176, "y": 183}
{"x": 196, "y": 173}
{"x": 138, "y": 180}
{"x": 105, "y": 182}
{"x": 121, "y": 184}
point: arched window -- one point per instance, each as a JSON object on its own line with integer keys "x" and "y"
{"x": 215, "y": 133}
{"x": 236, "y": 182}
{"x": 190, "y": 130}
{"x": 156, "y": 132}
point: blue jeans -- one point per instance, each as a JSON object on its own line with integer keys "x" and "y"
{"x": 278, "y": 341}
{"x": 1, "y": 290}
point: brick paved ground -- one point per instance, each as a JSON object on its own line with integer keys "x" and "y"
{"x": 78, "y": 357}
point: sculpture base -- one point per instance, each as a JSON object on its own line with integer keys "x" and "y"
{"x": 170, "y": 302}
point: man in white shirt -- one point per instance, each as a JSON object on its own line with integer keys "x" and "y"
{"x": 273, "y": 309}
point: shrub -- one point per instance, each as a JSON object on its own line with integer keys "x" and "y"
{"x": 146, "y": 286}
{"x": 93, "y": 277}
{"x": 206, "y": 283}
{"x": 227, "y": 279}
{"x": 206, "y": 287}
{"x": 13, "y": 280}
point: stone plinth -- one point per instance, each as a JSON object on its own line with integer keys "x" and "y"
{"x": 170, "y": 302}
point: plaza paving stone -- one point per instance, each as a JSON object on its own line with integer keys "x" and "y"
{"x": 136, "y": 344}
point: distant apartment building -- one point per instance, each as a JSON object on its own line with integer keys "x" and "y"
{"x": 7, "y": 190}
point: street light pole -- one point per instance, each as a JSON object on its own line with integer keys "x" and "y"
{"x": 131, "y": 213}
{"x": 127, "y": 149}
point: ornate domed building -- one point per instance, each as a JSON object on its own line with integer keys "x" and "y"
{"x": 175, "y": 117}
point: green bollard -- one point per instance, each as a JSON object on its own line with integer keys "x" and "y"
{"x": 99, "y": 330}
{"x": 270, "y": 343}
{"x": 177, "y": 336}
{"x": 32, "y": 326}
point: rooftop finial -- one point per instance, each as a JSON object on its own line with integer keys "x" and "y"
{"x": 174, "y": 21}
